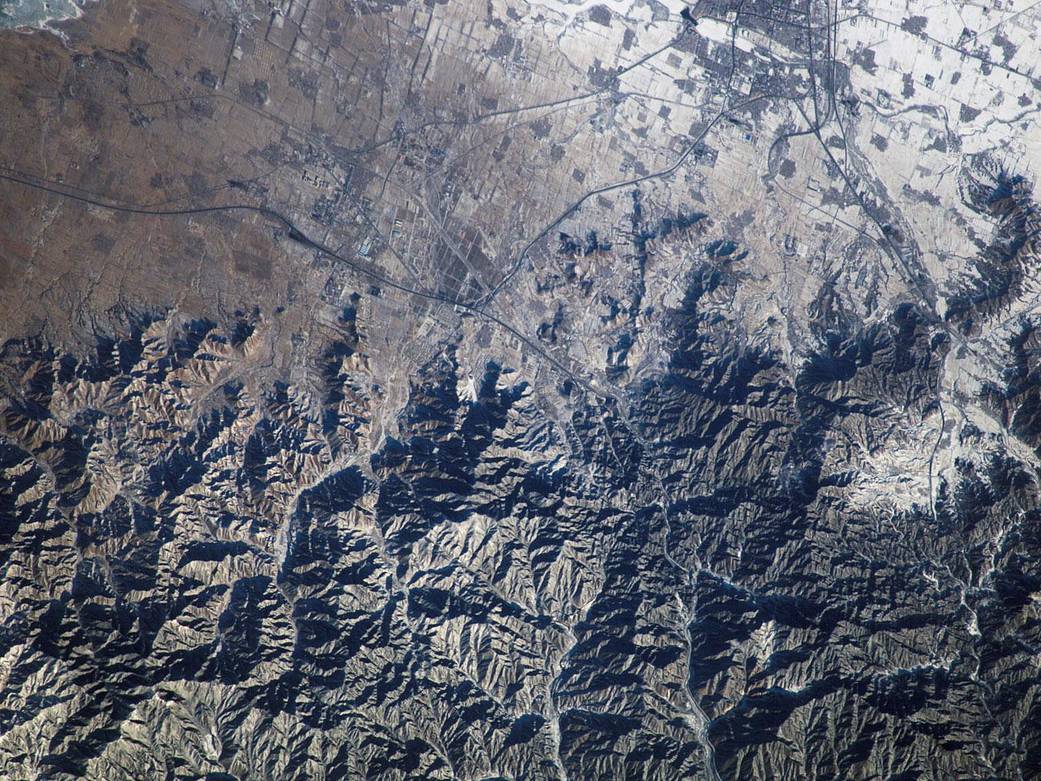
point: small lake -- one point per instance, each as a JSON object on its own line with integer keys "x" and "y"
{"x": 35, "y": 13}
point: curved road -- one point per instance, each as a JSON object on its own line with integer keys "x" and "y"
{"x": 297, "y": 235}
